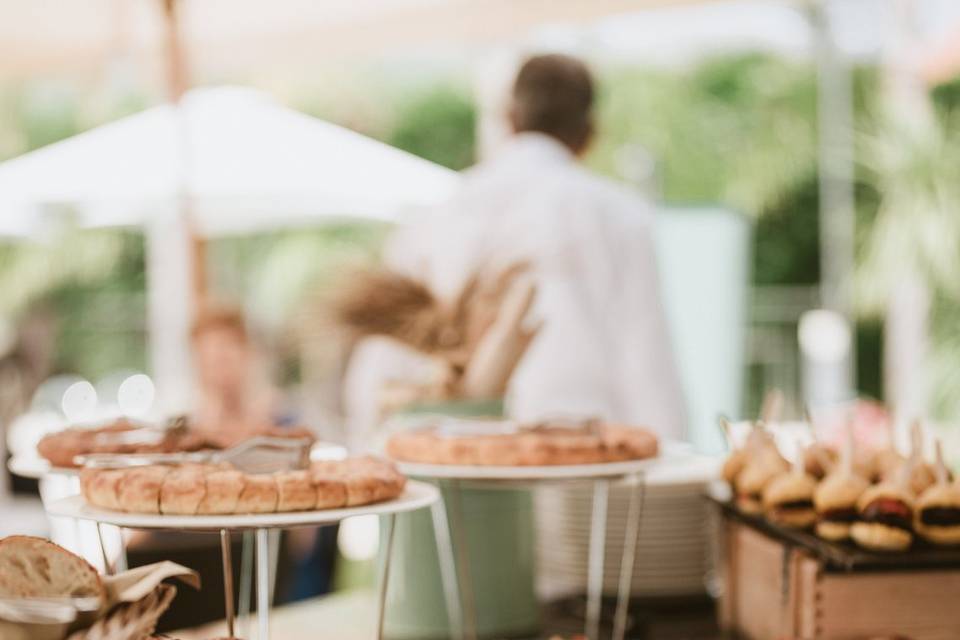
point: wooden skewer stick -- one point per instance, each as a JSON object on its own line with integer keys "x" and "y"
{"x": 847, "y": 453}
{"x": 943, "y": 477}
{"x": 772, "y": 406}
{"x": 727, "y": 429}
{"x": 916, "y": 441}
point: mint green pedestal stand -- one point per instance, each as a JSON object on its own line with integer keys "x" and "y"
{"x": 494, "y": 530}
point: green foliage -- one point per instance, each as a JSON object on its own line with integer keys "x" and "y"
{"x": 437, "y": 124}
{"x": 719, "y": 130}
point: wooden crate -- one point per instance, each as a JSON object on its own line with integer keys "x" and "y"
{"x": 773, "y": 589}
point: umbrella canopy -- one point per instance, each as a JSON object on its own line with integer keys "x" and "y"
{"x": 244, "y": 162}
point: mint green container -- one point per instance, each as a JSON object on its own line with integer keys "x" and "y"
{"x": 498, "y": 530}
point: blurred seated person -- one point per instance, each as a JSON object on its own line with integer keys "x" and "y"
{"x": 235, "y": 401}
{"x": 603, "y": 348}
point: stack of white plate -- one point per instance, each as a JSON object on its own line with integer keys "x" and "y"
{"x": 673, "y": 555}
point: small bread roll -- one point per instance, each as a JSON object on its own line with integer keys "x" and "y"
{"x": 183, "y": 490}
{"x": 331, "y": 492}
{"x": 259, "y": 494}
{"x": 880, "y": 537}
{"x": 100, "y": 487}
{"x": 224, "y": 486}
{"x": 295, "y": 491}
{"x": 139, "y": 491}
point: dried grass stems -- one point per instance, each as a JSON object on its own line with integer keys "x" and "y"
{"x": 380, "y": 302}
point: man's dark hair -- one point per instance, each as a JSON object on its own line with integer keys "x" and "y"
{"x": 553, "y": 94}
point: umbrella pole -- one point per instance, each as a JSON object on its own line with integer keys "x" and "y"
{"x": 178, "y": 81}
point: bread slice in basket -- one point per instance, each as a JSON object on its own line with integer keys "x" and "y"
{"x": 36, "y": 568}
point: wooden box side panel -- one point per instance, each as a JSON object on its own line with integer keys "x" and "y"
{"x": 917, "y": 605}
{"x": 755, "y": 569}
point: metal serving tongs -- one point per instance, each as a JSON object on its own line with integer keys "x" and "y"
{"x": 262, "y": 454}
{"x": 50, "y": 610}
{"x": 145, "y": 432}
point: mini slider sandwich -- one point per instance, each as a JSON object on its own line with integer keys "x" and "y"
{"x": 938, "y": 509}
{"x": 750, "y": 472}
{"x": 885, "y": 516}
{"x": 836, "y": 497}
{"x": 788, "y": 498}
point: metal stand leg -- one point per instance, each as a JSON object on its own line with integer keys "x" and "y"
{"x": 464, "y": 577}
{"x": 598, "y": 534}
{"x": 121, "y": 562}
{"x": 384, "y": 577}
{"x": 448, "y": 568}
{"x": 246, "y": 580}
{"x": 227, "y": 580}
{"x": 274, "y": 542}
{"x": 107, "y": 569}
{"x": 631, "y": 537}
{"x": 263, "y": 584}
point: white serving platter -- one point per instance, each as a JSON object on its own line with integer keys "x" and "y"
{"x": 35, "y": 467}
{"x": 670, "y": 454}
{"x": 416, "y": 495}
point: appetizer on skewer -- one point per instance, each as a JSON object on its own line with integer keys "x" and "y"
{"x": 885, "y": 516}
{"x": 788, "y": 498}
{"x": 938, "y": 509}
{"x": 835, "y": 499}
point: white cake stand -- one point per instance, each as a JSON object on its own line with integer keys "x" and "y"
{"x": 601, "y": 476}
{"x": 417, "y": 495}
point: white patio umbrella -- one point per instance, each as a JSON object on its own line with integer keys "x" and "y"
{"x": 244, "y": 162}
{"x": 238, "y": 161}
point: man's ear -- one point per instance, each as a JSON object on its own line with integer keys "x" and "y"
{"x": 586, "y": 139}
{"x": 512, "y": 117}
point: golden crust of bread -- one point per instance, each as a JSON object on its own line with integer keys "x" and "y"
{"x": 838, "y": 491}
{"x": 259, "y": 494}
{"x": 788, "y": 487}
{"x": 295, "y": 491}
{"x": 139, "y": 489}
{"x": 884, "y": 490}
{"x": 224, "y": 486}
{"x": 833, "y": 531}
{"x": 940, "y": 495}
{"x": 221, "y": 489}
{"x": 733, "y": 465}
{"x": 102, "y": 486}
{"x": 937, "y": 534}
{"x": 364, "y": 480}
{"x": 183, "y": 489}
{"x": 541, "y": 446}
{"x": 880, "y": 537}
{"x": 36, "y": 568}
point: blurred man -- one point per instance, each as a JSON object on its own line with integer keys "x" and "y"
{"x": 603, "y": 348}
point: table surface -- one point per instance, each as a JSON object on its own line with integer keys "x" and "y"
{"x": 416, "y": 496}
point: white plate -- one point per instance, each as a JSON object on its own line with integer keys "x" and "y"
{"x": 416, "y": 496}
{"x": 551, "y": 472}
{"x": 35, "y": 467}
{"x": 671, "y": 454}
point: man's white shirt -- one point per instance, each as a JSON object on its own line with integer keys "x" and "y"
{"x": 603, "y": 348}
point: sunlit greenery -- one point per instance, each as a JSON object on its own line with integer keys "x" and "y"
{"x": 739, "y": 131}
